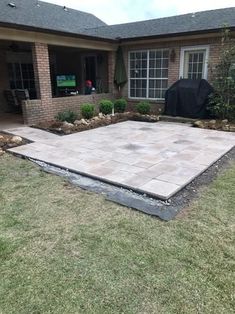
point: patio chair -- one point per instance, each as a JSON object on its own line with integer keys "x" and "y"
{"x": 21, "y": 95}
{"x": 11, "y": 100}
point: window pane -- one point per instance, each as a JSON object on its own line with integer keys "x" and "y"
{"x": 166, "y": 54}
{"x": 165, "y": 73}
{"x": 165, "y": 63}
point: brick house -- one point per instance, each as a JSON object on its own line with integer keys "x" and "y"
{"x": 40, "y": 43}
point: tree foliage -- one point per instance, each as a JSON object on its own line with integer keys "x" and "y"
{"x": 222, "y": 101}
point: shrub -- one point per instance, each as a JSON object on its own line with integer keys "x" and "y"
{"x": 67, "y": 115}
{"x": 106, "y": 106}
{"x": 143, "y": 107}
{"x": 120, "y": 105}
{"x": 222, "y": 100}
{"x": 87, "y": 111}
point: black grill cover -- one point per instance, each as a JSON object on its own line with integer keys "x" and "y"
{"x": 188, "y": 98}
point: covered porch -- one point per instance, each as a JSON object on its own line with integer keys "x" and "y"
{"x": 30, "y": 90}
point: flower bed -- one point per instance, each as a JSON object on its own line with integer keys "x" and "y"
{"x": 64, "y": 128}
{"x": 10, "y": 141}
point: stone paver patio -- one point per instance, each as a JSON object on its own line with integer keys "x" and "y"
{"x": 158, "y": 159}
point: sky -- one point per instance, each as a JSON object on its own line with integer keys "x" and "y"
{"x": 124, "y": 11}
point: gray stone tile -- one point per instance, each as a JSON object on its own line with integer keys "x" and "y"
{"x": 158, "y": 158}
{"x": 160, "y": 188}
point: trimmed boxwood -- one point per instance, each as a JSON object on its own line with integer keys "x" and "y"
{"x": 120, "y": 105}
{"x": 143, "y": 107}
{"x": 106, "y": 106}
{"x": 67, "y": 115}
{"x": 87, "y": 111}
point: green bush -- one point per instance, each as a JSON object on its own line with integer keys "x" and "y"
{"x": 106, "y": 106}
{"x": 87, "y": 111}
{"x": 120, "y": 105}
{"x": 67, "y": 115}
{"x": 222, "y": 100}
{"x": 143, "y": 107}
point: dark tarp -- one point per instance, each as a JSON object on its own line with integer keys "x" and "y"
{"x": 120, "y": 77}
{"x": 188, "y": 98}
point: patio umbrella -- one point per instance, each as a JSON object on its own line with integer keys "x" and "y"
{"x": 120, "y": 77}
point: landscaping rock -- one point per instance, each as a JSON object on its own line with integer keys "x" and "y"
{"x": 199, "y": 124}
{"x": 212, "y": 124}
{"x": 67, "y": 125}
{"x": 78, "y": 122}
{"x": 1, "y": 152}
{"x": 83, "y": 121}
{"x": 226, "y": 127}
{"x": 16, "y": 140}
{"x": 101, "y": 116}
{"x": 224, "y": 122}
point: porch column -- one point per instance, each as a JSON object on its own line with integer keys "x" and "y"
{"x": 111, "y": 69}
{"x": 41, "y": 65}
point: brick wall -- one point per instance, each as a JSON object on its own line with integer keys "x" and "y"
{"x": 174, "y": 67}
{"x": 47, "y": 107}
{"x": 34, "y": 110}
{"x": 41, "y": 66}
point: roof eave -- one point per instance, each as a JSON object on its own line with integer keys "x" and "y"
{"x": 55, "y": 32}
{"x": 201, "y": 32}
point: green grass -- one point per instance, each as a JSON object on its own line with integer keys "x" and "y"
{"x": 64, "y": 250}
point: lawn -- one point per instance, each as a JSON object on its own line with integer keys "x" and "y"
{"x": 65, "y": 250}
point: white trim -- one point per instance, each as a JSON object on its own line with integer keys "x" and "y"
{"x": 190, "y": 48}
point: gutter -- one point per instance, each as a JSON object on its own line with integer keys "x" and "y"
{"x": 117, "y": 40}
{"x": 201, "y": 32}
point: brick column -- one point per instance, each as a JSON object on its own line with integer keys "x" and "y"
{"x": 111, "y": 69}
{"x": 42, "y": 75}
{"x": 174, "y": 67}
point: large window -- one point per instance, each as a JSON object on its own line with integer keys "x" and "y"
{"x": 148, "y": 73}
{"x": 194, "y": 62}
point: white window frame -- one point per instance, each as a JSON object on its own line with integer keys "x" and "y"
{"x": 194, "y": 48}
{"x": 147, "y": 78}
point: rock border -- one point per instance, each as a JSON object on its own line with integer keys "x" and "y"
{"x": 65, "y": 128}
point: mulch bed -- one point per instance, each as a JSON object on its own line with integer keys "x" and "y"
{"x": 64, "y": 128}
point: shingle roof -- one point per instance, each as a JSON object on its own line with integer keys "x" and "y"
{"x": 193, "y": 22}
{"x": 45, "y": 15}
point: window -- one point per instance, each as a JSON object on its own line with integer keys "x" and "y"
{"x": 21, "y": 76}
{"x": 148, "y": 74}
{"x": 193, "y": 64}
